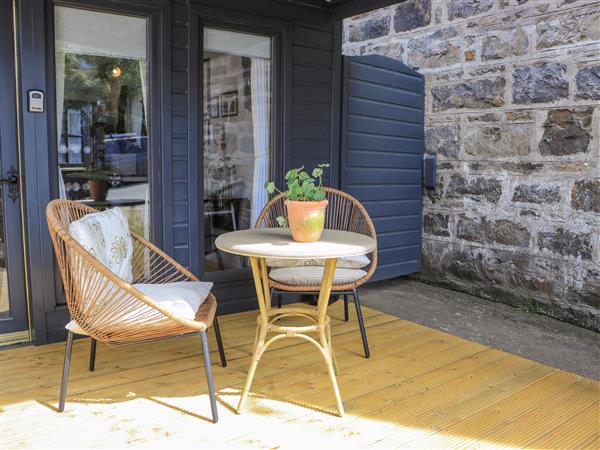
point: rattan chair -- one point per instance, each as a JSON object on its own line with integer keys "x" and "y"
{"x": 345, "y": 213}
{"x": 111, "y": 310}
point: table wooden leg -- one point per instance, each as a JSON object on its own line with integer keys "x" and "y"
{"x": 261, "y": 332}
{"x": 261, "y": 283}
{"x": 335, "y": 364}
{"x": 323, "y": 302}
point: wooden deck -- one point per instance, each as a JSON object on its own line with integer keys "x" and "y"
{"x": 421, "y": 388}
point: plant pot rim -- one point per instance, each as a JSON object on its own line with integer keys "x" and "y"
{"x": 311, "y": 204}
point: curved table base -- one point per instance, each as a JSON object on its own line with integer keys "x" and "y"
{"x": 266, "y": 323}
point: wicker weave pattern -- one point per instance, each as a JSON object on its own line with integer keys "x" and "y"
{"x": 106, "y": 307}
{"x": 344, "y": 213}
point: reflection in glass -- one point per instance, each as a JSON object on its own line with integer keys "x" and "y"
{"x": 102, "y": 109}
{"x": 237, "y": 136}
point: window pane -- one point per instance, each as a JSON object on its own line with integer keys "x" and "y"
{"x": 237, "y": 136}
{"x": 102, "y": 107}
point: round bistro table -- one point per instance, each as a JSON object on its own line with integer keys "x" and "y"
{"x": 259, "y": 244}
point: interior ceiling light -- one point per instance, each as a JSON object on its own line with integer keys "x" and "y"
{"x": 116, "y": 72}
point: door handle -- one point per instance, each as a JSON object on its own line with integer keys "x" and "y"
{"x": 12, "y": 178}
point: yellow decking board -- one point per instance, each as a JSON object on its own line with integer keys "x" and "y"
{"x": 421, "y": 388}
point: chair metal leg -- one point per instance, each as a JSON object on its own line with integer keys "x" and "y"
{"x": 93, "y": 355}
{"x": 220, "y": 342}
{"x": 65, "y": 374}
{"x": 209, "y": 377}
{"x": 361, "y": 323}
{"x": 314, "y": 300}
{"x": 346, "y": 307}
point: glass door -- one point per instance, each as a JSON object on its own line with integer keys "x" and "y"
{"x": 102, "y": 111}
{"x": 14, "y": 325}
{"x": 237, "y": 130}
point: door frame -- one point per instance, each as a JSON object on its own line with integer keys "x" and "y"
{"x": 35, "y": 29}
{"x": 16, "y": 327}
{"x": 281, "y": 32}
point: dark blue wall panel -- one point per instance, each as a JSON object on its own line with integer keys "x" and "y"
{"x": 382, "y": 148}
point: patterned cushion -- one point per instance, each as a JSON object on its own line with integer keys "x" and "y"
{"x": 106, "y": 236}
{"x": 348, "y": 262}
{"x": 312, "y": 275}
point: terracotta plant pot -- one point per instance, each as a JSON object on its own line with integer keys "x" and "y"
{"x": 306, "y": 219}
{"x": 98, "y": 189}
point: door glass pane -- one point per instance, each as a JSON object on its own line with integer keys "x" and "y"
{"x": 4, "y": 303}
{"x": 237, "y": 136}
{"x": 102, "y": 111}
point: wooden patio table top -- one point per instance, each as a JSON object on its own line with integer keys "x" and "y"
{"x": 278, "y": 243}
{"x": 259, "y": 244}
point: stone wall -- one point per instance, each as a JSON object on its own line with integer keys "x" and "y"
{"x": 513, "y": 112}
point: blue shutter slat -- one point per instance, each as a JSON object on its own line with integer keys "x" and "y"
{"x": 382, "y": 151}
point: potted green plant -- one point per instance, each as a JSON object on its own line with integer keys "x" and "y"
{"x": 98, "y": 181}
{"x": 305, "y": 203}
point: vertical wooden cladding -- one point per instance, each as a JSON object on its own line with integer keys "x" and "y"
{"x": 311, "y": 96}
{"x": 177, "y": 242}
{"x": 382, "y": 150}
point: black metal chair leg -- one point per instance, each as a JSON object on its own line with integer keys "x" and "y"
{"x": 346, "y": 307}
{"x": 220, "y": 342}
{"x": 209, "y": 377}
{"x": 93, "y": 355}
{"x": 314, "y": 300}
{"x": 361, "y": 323}
{"x": 65, "y": 374}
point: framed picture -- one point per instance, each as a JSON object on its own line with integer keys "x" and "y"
{"x": 213, "y": 107}
{"x": 229, "y": 104}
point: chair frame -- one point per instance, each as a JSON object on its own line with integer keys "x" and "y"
{"x": 112, "y": 311}
{"x": 344, "y": 212}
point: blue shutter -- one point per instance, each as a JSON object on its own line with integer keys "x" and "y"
{"x": 382, "y": 155}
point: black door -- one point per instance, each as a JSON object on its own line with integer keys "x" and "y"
{"x": 13, "y": 304}
{"x": 382, "y": 155}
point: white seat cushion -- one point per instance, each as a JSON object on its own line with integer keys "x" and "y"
{"x": 313, "y": 275}
{"x": 182, "y": 298}
{"x": 347, "y": 262}
{"x": 106, "y": 236}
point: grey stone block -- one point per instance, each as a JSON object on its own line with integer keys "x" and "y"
{"x": 588, "y": 83}
{"x": 499, "y": 140}
{"x": 566, "y": 132}
{"x": 412, "y": 14}
{"x": 585, "y": 195}
{"x": 566, "y": 243}
{"x": 487, "y": 93}
{"x": 540, "y": 83}
{"x": 444, "y": 140}
{"x": 536, "y": 193}
{"x": 464, "y": 8}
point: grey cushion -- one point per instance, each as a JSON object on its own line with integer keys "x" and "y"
{"x": 347, "y": 262}
{"x": 312, "y": 275}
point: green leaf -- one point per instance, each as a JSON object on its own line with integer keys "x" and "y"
{"x": 323, "y": 165}
{"x": 270, "y": 187}
{"x": 282, "y": 221}
{"x": 319, "y": 195}
{"x": 317, "y": 172}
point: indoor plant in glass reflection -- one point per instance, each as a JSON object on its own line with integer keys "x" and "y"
{"x": 98, "y": 181}
{"x": 305, "y": 203}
